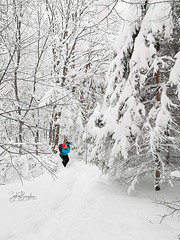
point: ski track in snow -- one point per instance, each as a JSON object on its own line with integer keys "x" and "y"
{"x": 82, "y": 204}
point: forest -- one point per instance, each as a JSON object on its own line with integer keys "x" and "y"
{"x": 103, "y": 73}
{"x": 104, "y": 77}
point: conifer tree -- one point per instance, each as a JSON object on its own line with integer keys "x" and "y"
{"x": 135, "y": 132}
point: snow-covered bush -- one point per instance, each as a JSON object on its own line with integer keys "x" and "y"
{"x": 26, "y": 167}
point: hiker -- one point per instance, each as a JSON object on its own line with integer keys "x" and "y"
{"x": 64, "y": 149}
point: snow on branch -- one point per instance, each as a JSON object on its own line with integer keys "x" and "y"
{"x": 174, "y": 78}
{"x": 173, "y": 208}
{"x": 104, "y": 8}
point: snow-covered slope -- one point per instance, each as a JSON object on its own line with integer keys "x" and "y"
{"x": 83, "y": 205}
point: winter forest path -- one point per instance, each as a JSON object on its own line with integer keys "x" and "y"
{"x": 81, "y": 204}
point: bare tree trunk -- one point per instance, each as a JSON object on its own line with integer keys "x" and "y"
{"x": 54, "y": 130}
{"x": 37, "y": 140}
{"x": 18, "y": 58}
{"x": 57, "y": 135}
{"x": 51, "y": 128}
{"x": 158, "y": 163}
{"x": 50, "y": 132}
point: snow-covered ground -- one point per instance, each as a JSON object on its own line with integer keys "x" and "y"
{"x": 81, "y": 204}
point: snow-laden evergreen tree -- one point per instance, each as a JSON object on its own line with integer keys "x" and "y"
{"x": 135, "y": 131}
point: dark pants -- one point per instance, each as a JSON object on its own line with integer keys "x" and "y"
{"x": 65, "y": 159}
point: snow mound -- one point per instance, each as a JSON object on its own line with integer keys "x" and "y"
{"x": 175, "y": 175}
{"x": 81, "y": 204}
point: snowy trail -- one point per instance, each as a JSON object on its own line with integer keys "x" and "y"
{"x": 81, "y": 204}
